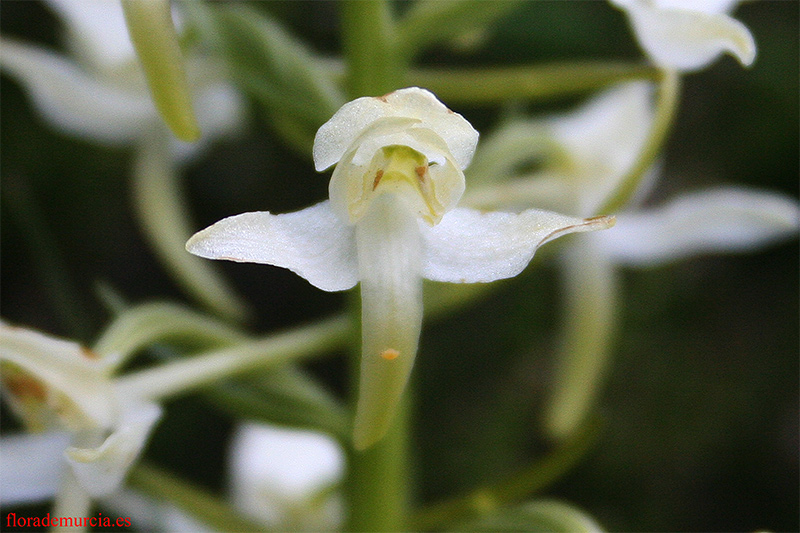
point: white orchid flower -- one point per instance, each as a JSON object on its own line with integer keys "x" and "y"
{"x": 100, "y": 92}
{"x": 687, "y": 35}
{"x": 59, "y": 387}
{"x": 600, "y": 142}
{"x": 595, "y": 147}
{"x": 287, "y": 478}
{"x": 391, "y": 220}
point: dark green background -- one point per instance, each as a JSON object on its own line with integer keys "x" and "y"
{"x": 701, "y": 412}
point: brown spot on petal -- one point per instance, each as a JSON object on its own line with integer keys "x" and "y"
{"x": 421, "y": 171}
{"x": 383, "y": 98}
{"x": 378, "y": 176}
{"x": 390, "y": 354}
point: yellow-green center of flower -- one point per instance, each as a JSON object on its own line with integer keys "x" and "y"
{"x": 403, "y": 171}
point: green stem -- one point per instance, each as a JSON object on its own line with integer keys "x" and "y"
{"x": 519, "y": 486}
{"x": 499, "y": 85}
{"x": 377, "y": 482}
{"x": 179, "y": 376}
{"x": 146, "y": 324}
{"x": 666, "y": 108}
{"x": 372, "y": 65}
{"x": 196, "y": 502}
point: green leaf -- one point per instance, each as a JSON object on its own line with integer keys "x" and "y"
{"x": 540, "y": 516}
{"x": 285, "y": 396}
{"x": 272, "y": 66}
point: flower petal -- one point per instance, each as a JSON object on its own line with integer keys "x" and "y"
{"x": 337, "y": 135}
{"x": 351, "y": 188}
{"x": 313, "y": 243}
{"x": 468, "y": 246}
{"x": 98, "y": 27}
{"x": 602, "y": 140}
{"x": 275, "y": 471}
{"x": 101, "y": 470}
{"x": 31, "y": 465}
{"x": 58, "y": 374}
{"x": 704, "y": 6}
{"x": 689, "y": 39}
{"x": 720, "y": 220}
{"x": 72, "y": 100}
{"x": 389, "y": 250}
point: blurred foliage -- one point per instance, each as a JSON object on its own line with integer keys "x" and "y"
{"x": 701, "y": 412}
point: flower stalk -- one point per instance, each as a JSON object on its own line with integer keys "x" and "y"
{"x": 179, "y": 376}
{"x": 667, "y": 99}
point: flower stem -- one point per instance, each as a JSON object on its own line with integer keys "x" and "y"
{"x": 377, "y": 482}
{"x": 499, "y": 85}
{"x": 179, "y": 376}
{"x": 372, "y": 68}
{"x": 165, "y": 222}
{"x": 519, "y": 486}
{"x": 146, "y": 324}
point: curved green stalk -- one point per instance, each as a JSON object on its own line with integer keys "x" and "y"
{"x": 191, "y": 373}
{"x": 666, "y": 109}
{"x": 522, "y": 484}
{"x": 148, "y": 323}
{"x": 165, "y": 221}
{"x": 536, "y": 82}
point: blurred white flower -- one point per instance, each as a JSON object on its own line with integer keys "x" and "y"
{"x": 287, "y": 479}
{"x": 99, "y": 92}
{"x": 687, "y": 35}
{"x": 58, "y": 387}
{"x": 589, "y": 153}
{"x": 391, "y": 220}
